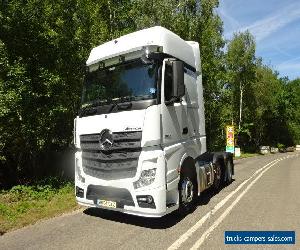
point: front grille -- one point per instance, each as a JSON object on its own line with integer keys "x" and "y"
{"x": 117, "y": 162}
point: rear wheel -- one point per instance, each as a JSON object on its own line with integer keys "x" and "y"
{"x": 217, "y": 176}
{"x": 229, "y": 172}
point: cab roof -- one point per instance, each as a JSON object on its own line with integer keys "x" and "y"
{"x": 171, "y": 43}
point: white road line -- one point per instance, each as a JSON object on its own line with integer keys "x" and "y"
{"x": 227, "y": 211}
{"x": 184, "y": 237}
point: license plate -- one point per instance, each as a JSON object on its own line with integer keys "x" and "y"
{"x": 105, "y": 203}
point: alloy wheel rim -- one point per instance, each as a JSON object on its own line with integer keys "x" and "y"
{"x": 187, "y": 191}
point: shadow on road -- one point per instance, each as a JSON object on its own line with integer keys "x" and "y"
{"x": 164, "y": 222}
{"x": 208, "y": 194}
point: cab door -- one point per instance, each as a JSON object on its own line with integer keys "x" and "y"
{"x": 173, "y": 109}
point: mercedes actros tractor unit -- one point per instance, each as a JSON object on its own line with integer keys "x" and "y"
{"x": 140, "y": 131}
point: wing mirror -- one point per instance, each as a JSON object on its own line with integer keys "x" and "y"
{"x": 174, "y": 82}
{"x": 178, "y": 79}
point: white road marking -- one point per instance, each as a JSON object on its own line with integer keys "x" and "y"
{"x": 184, "y": 237}
{"x": 227, "y": 211}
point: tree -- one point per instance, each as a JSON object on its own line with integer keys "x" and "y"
{"x": 44, "y": 46}
{"x": 294, "y": 121}
{"x": 240, "y": 62}
{"x": 267, "y": 91}
{"x": 288, "y": 113}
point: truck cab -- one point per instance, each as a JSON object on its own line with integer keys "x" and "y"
{"x": 140, "y": 131}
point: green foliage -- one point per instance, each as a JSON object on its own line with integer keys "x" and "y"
{"x": 267, "y": 103}
{"x": 44, "y": 189}
{"x": 23, "y": 205}
{"x": 43, "y": 49}
{"x": 240, "y": 63}
{"x": 289, "y": 112}
{"x": 267, "y": 89}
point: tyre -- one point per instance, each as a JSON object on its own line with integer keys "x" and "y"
{"x": 229, "y": 172}
{"x": 187, "y": 192}
{"x": 217, "y": 176}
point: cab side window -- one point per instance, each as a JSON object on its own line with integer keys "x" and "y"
{"x": 168, "y": 82}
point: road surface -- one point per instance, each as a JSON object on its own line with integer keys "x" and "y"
{"x": 265, "y": 195}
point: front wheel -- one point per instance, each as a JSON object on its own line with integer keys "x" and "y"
{"x": 187, "y": 193}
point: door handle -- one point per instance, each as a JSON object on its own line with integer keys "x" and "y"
{"x": 185, "y": 130}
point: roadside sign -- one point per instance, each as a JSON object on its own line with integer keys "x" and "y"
{"x": 230, "y": 139}
{"x": 237, "y": 152}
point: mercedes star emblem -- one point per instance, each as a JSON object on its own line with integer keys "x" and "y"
{"x": 106, "y": 139}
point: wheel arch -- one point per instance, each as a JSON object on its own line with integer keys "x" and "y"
{"x": 186, "y": 163}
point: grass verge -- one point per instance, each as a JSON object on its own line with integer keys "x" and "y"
{"x": 23, "y": 205}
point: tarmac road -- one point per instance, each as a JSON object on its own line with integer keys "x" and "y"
{"x": 265, "y": 195}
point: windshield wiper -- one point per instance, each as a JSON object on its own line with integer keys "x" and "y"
{"x": 121, "y": 103}
{"x": 90, "y": 107}
{"x": 142, "y": 97}
{"x": 113, "y": 105}
{"x": 124, "y": 105}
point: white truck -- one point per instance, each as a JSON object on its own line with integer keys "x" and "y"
{"x": 140, "y": 132}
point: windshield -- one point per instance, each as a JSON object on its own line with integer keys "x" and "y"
{"x": 130, "y": 81}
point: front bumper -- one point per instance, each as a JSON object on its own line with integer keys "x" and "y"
{"x": 122, "y": 191}
{"x": 134, "y": 209}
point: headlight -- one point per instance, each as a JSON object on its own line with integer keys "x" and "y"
{"x": 78, "y": 174}
{"x": 147, "y": 177}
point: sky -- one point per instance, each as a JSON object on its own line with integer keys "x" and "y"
{"x": 275, "y": 25}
